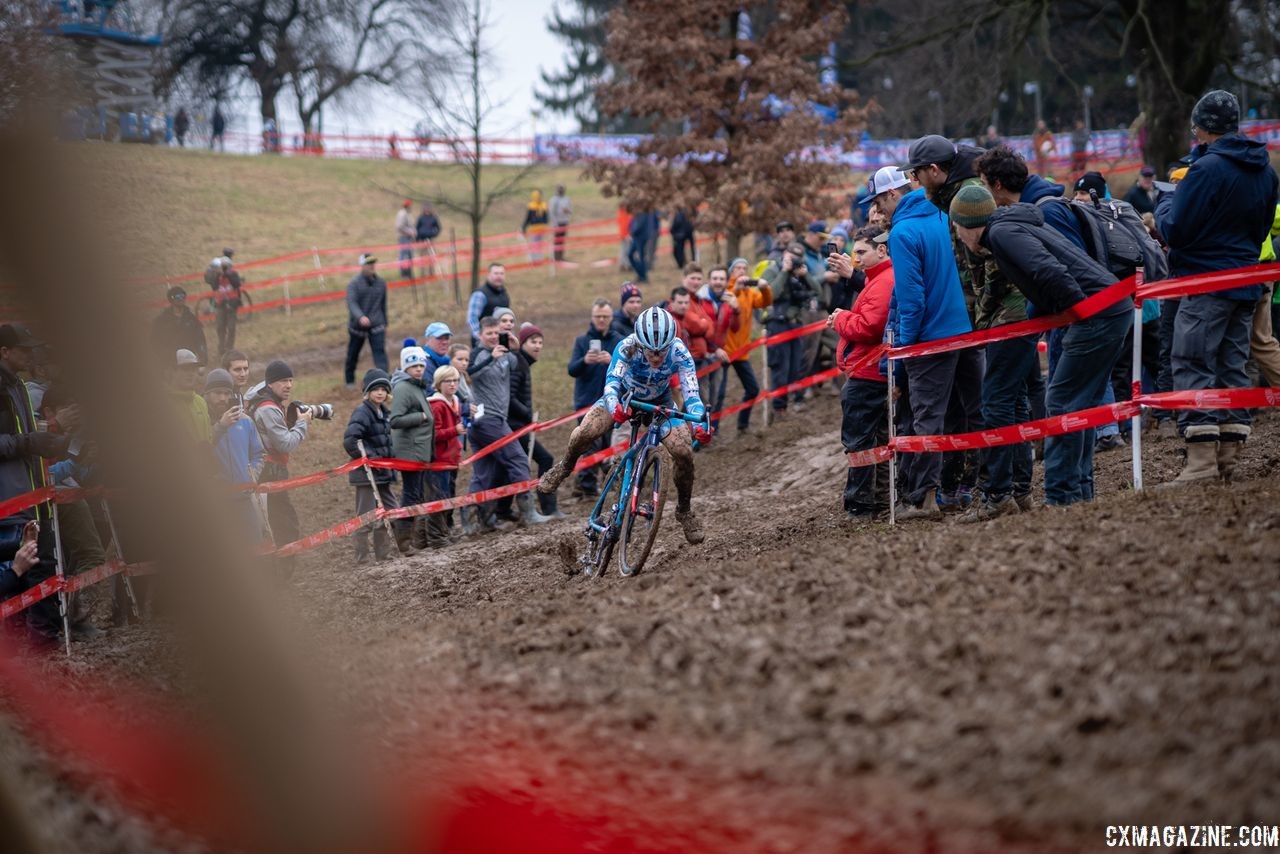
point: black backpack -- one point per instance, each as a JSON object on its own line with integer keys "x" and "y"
{"x": 1116, "y": 237}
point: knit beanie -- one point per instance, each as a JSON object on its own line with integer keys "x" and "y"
{"x": 1217, "y": 112}
{"x": 736, "y": 261}
{"x": 374, "y": 378}
{"x": 412, "y": 356}
{"x": 972, "y": 206}
{"x": 277, "y": 371}
{"x": 444, "y": 373}
{"x": 629, "y": 290}
{"x": 218, "y": 378}
{"x": 500, "y": 313}
{"x": 527, "y": 331}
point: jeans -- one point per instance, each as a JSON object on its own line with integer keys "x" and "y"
{"x": 864, "y": 426}
{"x": 1210, "y": 348}
{"x": 635, "y": 257}
{"x": 355, "y": 343}
{"x": 1089, "y": 352}
{"x": 406, "y": 257}
{"x": 785, "y": 362}
{"x": 1003, "y": 390}
{"x": 506, "y": 465}
{"x": 750, "y": 388}
{"x": 931, "y": 379}
{"x": 711, "y": 386}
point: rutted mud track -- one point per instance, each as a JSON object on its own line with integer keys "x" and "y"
{"x": 797, "y": 683}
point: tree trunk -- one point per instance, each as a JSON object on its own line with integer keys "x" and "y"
{"x": 732, "y": 242}
{"x": 269, "y": 86}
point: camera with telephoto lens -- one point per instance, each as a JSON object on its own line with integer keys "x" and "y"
{"x": 322, "y": 411}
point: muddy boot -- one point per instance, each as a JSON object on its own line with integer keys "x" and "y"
{"x": 404, "y": 536}
{"x": 1233, "y": 437}
{"x": 554, "y": 476}
{"x": 1201, "y": 465}
{"x": 381, "y": 544}
{"x": 362, "y": 547}
{"x": 421, "y": 537}
{"x": 928, "y": 508}
{"x": 489, "y": 521}
{"x": 549, "y": 505}
{"x": 528, "y": 512}
{"x": 469, "y": 521}
{"x": 435, "y": 530}
{"x": 692, "y": 527}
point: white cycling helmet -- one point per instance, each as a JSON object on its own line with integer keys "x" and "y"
{"x": 655, "y": 329}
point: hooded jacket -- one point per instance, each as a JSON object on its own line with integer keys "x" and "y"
{"x": 239, "y": 451}
{"x": 724, "y": 318}
{"x": 412, "y": 426}
{"x": 447, "y": 417}
{"x": 927, "y": 295}
{"x": 490, "y": 381}
{"x": 861, "y": 329}
{"x": 588, "y": 380}
{"x": 1052, "y": 273}
{"x": 693, "y": 327}
{"x": 1221, "y": 212}
{"x": 750, "y": 298}
{"x": 622, "y": 325}
{"x": 1056, "y": 216}
{"x": 369, "y": 423}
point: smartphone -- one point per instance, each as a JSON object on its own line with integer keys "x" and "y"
{"x": 30, "y": 531}
{"x": 830, "y": 249}
{"x": 593, "y": 344}
{"x": 504, "y": 339}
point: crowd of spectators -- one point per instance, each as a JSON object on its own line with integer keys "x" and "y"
{"x": 960, "y": 238}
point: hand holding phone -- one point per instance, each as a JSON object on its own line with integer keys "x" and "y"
{"x": 504, "y": 339}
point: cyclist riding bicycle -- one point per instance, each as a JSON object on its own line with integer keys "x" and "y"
{"x": 642, "y": 367}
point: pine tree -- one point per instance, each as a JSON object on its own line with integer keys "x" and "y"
{"x": 572, "y": 91}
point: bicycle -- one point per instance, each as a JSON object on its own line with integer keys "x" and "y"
{"x": 209, "y": 305}
{"x": 622, "y": 505}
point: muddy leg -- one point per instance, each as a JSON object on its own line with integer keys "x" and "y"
{"x": 679, "y": 444}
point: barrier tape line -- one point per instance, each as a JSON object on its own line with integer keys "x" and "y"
{"x": 68, "y": 584}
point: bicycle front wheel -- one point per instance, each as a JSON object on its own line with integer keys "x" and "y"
{"x": 643, "y": 513}
{"x": 599, "y": 551}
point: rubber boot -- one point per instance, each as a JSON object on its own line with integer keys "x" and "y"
{"x": 435, "y": 530}
{"x": 1232, "y": 441}
{"x": 489, "y": 521}
{"x": 381, "y": 544}
{"x": 469, "y": 521}
{"x": 549, "y": 505}
{"x": 421, "y": 540}
{"x": 928, "y": 508}
{"x": 527, "y": 512}
{"x": 404, "y": 536}
{"x": 1201, "y": 465}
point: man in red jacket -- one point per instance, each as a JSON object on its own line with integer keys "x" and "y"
{"x": 721, "y": 308}
{"x": 864, "y": 397}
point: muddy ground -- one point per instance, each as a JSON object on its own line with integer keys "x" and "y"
{"x": 798, "y": 683}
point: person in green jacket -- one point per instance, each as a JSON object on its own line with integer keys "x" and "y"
{"x": 412, "y": 439}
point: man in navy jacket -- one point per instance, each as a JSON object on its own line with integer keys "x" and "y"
{"x": 589, "y": 366}
{"x": 1217, "y": 219}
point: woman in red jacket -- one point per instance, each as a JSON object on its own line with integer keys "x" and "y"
{"x": 446, "y": 411}
{"x": 864, "y": 398}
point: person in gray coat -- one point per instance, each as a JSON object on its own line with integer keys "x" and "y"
{"x": 367, "y": 317}
{"x": 413, "y": 440}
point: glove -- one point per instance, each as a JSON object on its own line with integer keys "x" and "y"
{"x": 47, "y": 445}
{"x": 703, "y": 433}
{"x": 620, "y": 414}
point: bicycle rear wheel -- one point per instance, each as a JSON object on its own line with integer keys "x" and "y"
{"x": 643, "y": 514}
{"x": 595, "y": 558}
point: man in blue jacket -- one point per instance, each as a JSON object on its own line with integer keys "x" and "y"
{"x": 928, "y": 303}
{"x": 589, "y": 365}
{"x": 1217, "y": 219}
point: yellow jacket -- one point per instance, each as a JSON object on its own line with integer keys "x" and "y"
{"x": 749, "y": 299}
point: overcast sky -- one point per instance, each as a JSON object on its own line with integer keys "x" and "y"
{"x": 521, "y": 44}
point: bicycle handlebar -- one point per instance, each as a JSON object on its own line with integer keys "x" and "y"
{"x": 666, "y": 411}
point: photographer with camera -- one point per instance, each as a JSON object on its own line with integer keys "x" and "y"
{"x": 793, "y": 293}
{"x": 282, "y": 427}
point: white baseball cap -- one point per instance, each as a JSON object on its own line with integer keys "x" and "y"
{"x": 886, "y": 178}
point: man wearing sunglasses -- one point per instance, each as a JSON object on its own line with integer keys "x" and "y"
{"x": 642, "y": 368}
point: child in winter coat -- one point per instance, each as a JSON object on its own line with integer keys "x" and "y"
{"x": 371, "y": 424}
{"x": 412, "y": 440}
{"x": 446, "y": 409}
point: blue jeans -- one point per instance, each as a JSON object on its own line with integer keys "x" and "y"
{"x": 1082, "y": 376}
{"x": 1210, "y": 348}
{"x": 1003, "y": 390}
{"x": 635, "y": 257}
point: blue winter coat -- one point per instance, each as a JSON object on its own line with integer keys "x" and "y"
{"x": 1059, "y": 217}
{"x": 1221, "y": 212}
{"x": 928, "y": 301}
{"x": 588, "y": 380}
{"x": 238, "y": 450}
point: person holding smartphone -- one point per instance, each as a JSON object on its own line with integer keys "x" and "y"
{"x": 13, "y": 570}
{"x": 236, "y": 442}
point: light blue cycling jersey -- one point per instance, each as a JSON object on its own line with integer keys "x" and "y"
{"x": 630, "y": 373}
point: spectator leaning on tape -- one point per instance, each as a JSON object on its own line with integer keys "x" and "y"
{"x": 282, "y": 429}
{"x": 1053, "y": 275}
{"x": 366, "y": 318}
{"x": 928, "y": 303}
{"x": 22, "y": 448}
{"x": 490, "y": 297}
{"x": 864, "y": 397}
{"x": 370, "y": 424}
{"x": 588, "y": 365}
{"x": 412, "y": 440}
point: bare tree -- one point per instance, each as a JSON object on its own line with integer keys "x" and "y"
{"x": 461, "y": 112}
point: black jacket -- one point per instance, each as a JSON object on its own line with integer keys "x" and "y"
{"x": 169, "y": 334}
{"x": 520, "y": 407}
{"x": 622, "y": 325}
{"x": 1140, "y": 199}
{"x": 372, "y": 425}
{"x": 681, "y": 226}
{"x": 588, "y": 380}
{"x": 1221, "y": 212}
{"x": 19, "y": 473}
{"x": 1051, "y": 272}
{"x": 428, "y": 226}
{"x": 367, "y": 298}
